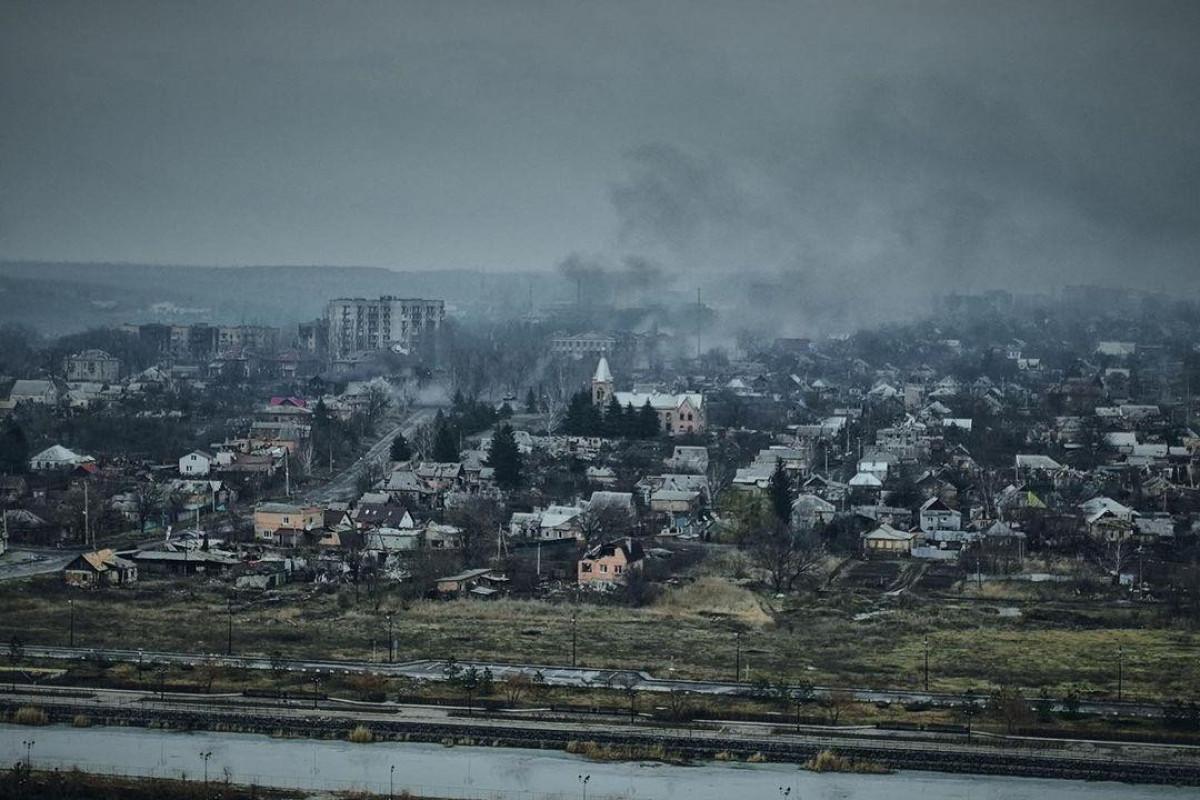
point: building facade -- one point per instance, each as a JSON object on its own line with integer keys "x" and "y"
{"x": 93, "y": 365}
{"x": 389, "y": 323}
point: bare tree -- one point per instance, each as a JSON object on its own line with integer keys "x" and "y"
{"x": 1011, "y": 708}
{"x": 627, "y": 682}
{"x": 1115, "y": 553}
{"x": 599, "y": 523}
{"x": 515, "y": 685}
{"x": 784, "y": 555}
{"x": 207, "y": 673}
{"x": 479, "y": 520}
{"x": 837, "y": 703}
{"x": 371, "y": 473}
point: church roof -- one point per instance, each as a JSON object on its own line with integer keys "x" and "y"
{"x": 603, "y": 373}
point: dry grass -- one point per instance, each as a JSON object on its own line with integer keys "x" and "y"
{"x": 31, "y": 715}
{"x": 691, "y": 629}
{"x": 81, "y": 721}
{"x": 715, "y": 597}
{"x": 829, "y": 761}
{"x": 362, "y": 735}
{"x": 605, "y": 752}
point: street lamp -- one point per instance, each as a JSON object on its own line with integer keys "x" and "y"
{"x": 391, "y": 642}
{"x": 206, "y": 755}
{"x": 71, "y": 641}
{"x": 392, "y": 782}
{"x": 29, "y": 743}
{"x": 584, "y": 779}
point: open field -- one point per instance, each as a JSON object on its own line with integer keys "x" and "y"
{"x": 689, "y": 632}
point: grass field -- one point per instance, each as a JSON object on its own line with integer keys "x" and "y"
{"x": 689, "y": 632}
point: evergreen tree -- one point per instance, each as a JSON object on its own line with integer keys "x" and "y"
{"x": 445, "y": 441}
{"x": 576, "y": 420}
{"x": 614, "y": 418}
{"x": 505, "y": 458}
{"x": 780, "y": 492}
{"x": 320, "y": 416}
{"x": 506, "y": 411}
{"x": 401, "y": 451}
{"x": 14, "y": 449}
{"x": 648, "y": 427}
{"x": 632, "y": 423}
{"x": 531, "y": 404}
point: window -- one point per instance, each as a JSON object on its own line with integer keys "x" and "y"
{"x": 618, "y": 569}
{"x": 585, "y": 567}
{"x": 604, "y": 567}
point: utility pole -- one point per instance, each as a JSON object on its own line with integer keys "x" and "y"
{"x": 927, "y": 663}
{"x": 574, "y": 619}
{"x": 737, "y": 663}
{"x": 229, "y": 640}
{"x": 1120, "y": 672}
{"x": 391, "y": 641}
{"x": 86, "y": 520}
{"x": 287, "y": 473}
{"x": 71, "y": 640}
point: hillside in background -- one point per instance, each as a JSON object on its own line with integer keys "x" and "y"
{"x": 60, "y": 298}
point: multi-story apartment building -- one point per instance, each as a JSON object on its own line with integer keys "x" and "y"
{"x": 357, "y": 324}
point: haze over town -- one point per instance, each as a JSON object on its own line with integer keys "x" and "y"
{"x": 804, "y": 385}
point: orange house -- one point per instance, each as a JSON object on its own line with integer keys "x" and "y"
{"x": 609, "y": 563}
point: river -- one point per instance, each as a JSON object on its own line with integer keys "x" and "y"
{"x": 500, "y": 773}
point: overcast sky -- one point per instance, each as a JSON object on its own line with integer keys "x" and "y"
{"x": 960, "y": 142}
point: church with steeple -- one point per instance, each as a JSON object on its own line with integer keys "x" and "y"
{"x": 677, "y": 413}
{"x": 602, "y": 383}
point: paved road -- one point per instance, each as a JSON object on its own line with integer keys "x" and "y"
{"x": 344, "y": 486}
{"x": 555, "y": 675}
{"x": 22, "y": 563}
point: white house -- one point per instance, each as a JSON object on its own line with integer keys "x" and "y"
{"x": 876, "y": 464}
{"x": 55, "y": 458}
{"x": 36, "y": 392}
{"x": 195, "y": 464}
{"x": 937, "y": 516}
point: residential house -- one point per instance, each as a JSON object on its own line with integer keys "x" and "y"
{"x": 99, "y": 568}
{"x": 678, "y": 512}
{"x": 887, "y": 542}
{"x": 810, "y": 511}
{"x": 183, "y": 562}
{"x": 34, "y": 392}
{"x": 689, "y": 459}
{"x": 276, "y": 522}
{"x": 57, "y": 458}
{"x": 481, "y": 582}
{"x": 877, "y": 463}
{"x": 935, "y": 515}
{"x": 609, "y": 563}
{"x": 553, "y": 523}
{"x": 195, "y": 464}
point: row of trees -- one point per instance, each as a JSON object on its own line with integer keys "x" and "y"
{"x": 584, "y": 418}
